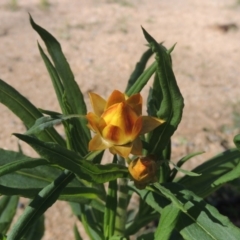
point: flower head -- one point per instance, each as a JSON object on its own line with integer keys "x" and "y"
{"x": 118, "y": 123}
{"x": 143, "y": 171}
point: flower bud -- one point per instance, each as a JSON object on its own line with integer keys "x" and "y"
{"x": 143, "y": 171}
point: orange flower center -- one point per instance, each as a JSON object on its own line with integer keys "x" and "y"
{"x": 120, "y": 120}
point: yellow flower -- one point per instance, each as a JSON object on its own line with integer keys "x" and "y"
{"x": 143, "y": 171}
{"x": 118, "y": 122}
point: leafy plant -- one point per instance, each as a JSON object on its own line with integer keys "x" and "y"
{"x": 71, "y": 169}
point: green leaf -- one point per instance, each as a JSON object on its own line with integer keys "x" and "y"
{"x": 198, "y": 220}
{"x": 169, "y": 99}
{"x": 67, "y": 159}
{"x": 17, "y": 165}
{"x": 74, "y": 194}
{"x": 36, "y": 231}
{"x": 141, "y": 217}
{"x": 74, "y": 94}
{"x": 73, "y": 132}
{"x": 26, "y": 111}
{"x": 29, "y": 180}
{"x": 187, "y": 157}
{"x": 52, "y": 114}
{"x": 155, "y": 97}
{"x": 8, "y": 207}
{"x": 231, "y": 175}
{"x": 216, "y": 171}
{"x": 168, "y": 221}
{"x": 77, "y": 235}
{"x": 85, "y": 214}
{"x": 72, "y": 91}
{"x": 156, "y": 201}
{"x": 56, "y": 81}
{"x": 140, "y": 221}
{"x": 110, "y": 210}
{"x": 46, "y": 197}
{"x": 142, "y": 80}
{"x": 41, "y": 124}
{"x": 181, "y": 162}
{"x": 47, "y": 122}
{"x": 189, "y": 173}
{"x": 140, "y": 66}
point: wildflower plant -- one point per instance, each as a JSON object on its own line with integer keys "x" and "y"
{"x": 71, "y": 168}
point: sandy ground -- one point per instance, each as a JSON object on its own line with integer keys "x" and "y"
{"x": 103, "y": 40}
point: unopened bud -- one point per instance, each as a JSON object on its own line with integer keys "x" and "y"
{"x": 143, "y": 171}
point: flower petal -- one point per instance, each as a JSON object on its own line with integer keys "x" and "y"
{"x": 101, "y": 125}
{"x": 97, "y": 143}
{"x": 98, "y": 103}
{"x": 137, "y": 147}
{"x": 135, "y": 102}
{"x": 123, "y": 150}
{"x": 115, "y": 97}
{"x": 122, "y": 116}
{"x": 115, "y": 135}
{"x": 149, "y": 123}
{"x": 137, "y": 128}
{"x": 93, "y": 121}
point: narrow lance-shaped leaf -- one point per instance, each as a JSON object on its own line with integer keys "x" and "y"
{"x": 25, "y": 176}
{"x": 167, "y": 223}
{"x": 139, "y": 69}
{"x": 77, "y": 235}
{"x": 155, "y": 97}
{"x": 198, "y": 219}
{"x": 156, "y": 201}
{"x": 8, "y": 207}
{"x": 26, "y": 111}
{"x": 47, "y": 122}
{"x": 141, "y": 221}
{"x": 180, "y": 163}
{"x": 56, "y": 81}
{"x": 17, "y": 165}
{"x": 186, "y": 172}
{"x": 85, "y": 214}
{"x": 142, "y": 80}
{"x": 233, "y": 173}
{"x": 213, "y": 170}
{"x": 74, "y": 132}
{"x": 39, "y": 205}
{"x": 72, "y": 161}
{"x": 90, "y": 224}
{"x": 82, "y": 195}
{"x": 171, "y": 99}
{"x": 36, "y": 231}
{"x": 73, "y": 93}
{"x": 144, "y": 215}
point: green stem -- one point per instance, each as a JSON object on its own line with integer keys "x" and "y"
{"x": 121, "y": 216}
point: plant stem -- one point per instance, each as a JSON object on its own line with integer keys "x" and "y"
{"x": 121, "y": 216}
